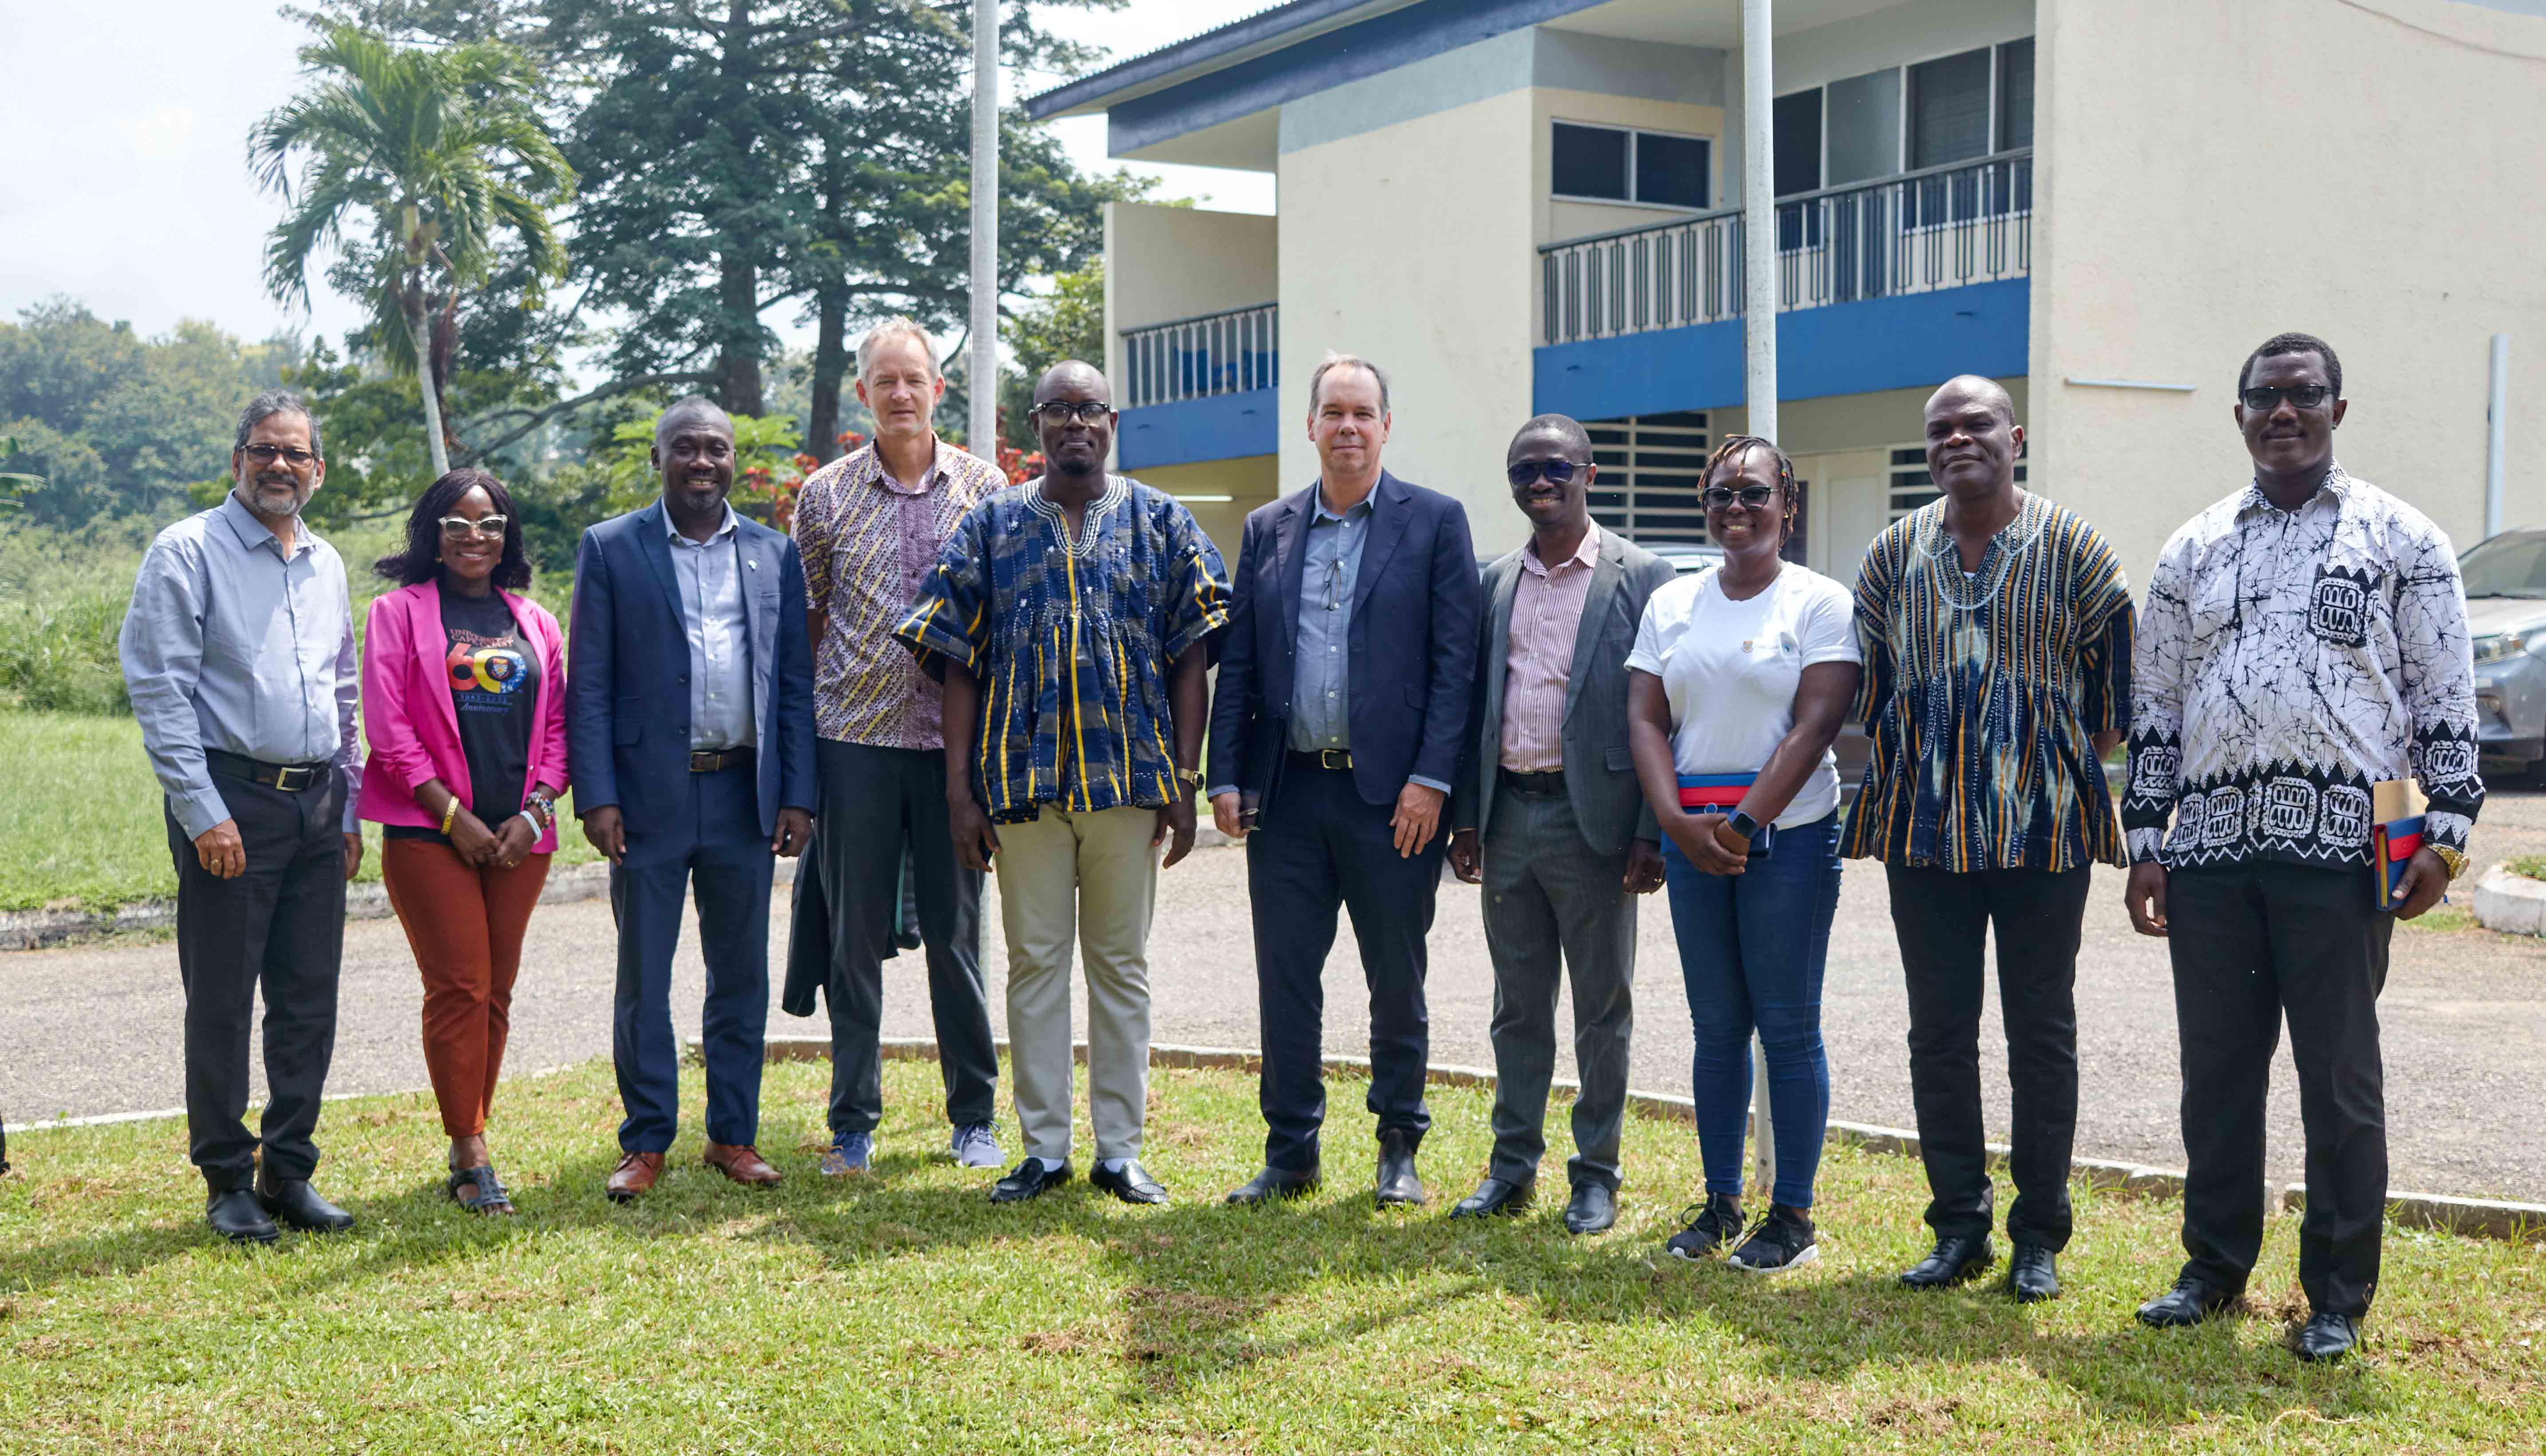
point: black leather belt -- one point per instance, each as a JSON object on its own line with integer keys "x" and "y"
{"x": 718, "y": 760}
{"x": 1549, "y": 784}
{"x": 1331, "y": 758}
{"x": 290, "y": 778}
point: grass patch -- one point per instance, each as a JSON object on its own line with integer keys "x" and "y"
{"x": 86, "y": 831}
{"x": 2533, "y": 866}
{"x": 905, "y": 1313}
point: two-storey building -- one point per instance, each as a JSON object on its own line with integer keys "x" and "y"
{"x": 1520, "y": 205}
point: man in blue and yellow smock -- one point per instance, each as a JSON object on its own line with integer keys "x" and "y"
{"x": 1073, "y": 619}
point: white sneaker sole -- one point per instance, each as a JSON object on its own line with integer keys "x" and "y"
{"x": 1810, "y": 1254}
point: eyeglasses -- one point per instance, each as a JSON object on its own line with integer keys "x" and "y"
{"x": 460, "y": 528}
{"x": 2262, "y": 399}
{"x": 1751, "y": 496}
{"x": 266, "y": 455}
{"x": 1059, "y": 413}
{"x": 1524, "y": 473}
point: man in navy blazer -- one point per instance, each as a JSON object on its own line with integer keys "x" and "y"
{"x": 690, "y": 738}
{"x": 1341, "y": 711}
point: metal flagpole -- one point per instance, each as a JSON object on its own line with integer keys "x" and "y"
{"x": 981, "y": 369}
{"x": 1760, "y": 337}
{"x": 2497, "y": 417}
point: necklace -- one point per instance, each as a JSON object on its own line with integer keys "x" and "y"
{"x": 1962, "y": 590}
{"x": 1083, "y": 544}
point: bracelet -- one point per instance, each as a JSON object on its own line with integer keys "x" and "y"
{"x": 546, "y": 805}
{"x": 450, "y": 816}
{"x": 536, "y": 828}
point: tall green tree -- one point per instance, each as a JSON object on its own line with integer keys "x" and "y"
{"x": 440, "y": 152}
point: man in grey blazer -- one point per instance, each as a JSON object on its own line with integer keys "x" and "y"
{"x": 1547, "y": 815}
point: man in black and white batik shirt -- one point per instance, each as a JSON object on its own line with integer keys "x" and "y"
{"x": 2304, "y": 639}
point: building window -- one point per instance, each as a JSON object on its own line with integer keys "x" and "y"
{"x": 1949, "y": 110}
{"x": 1613, "y": 164}
{"x": 1911, "y": 485}
{"x": 1650, "y": 465}
{"x": 1932, "y": 114}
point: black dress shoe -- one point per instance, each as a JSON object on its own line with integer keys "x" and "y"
{"x": 296, "y": 1205}
{"x": 1953, "y": 1260}
{"x": 2327, "y": 1337}
{"x": 1592, "y": 1210}
{"x": 1398, "y": 1185}
{"x": 1133, "y": 1184}
{"x": 1272, "y": 1183}
{"x": 1028, "y": 1179}
{"x": 235, "y": 1215}
{"x": 2191, "y": 1301}
{"x": 2033, "y": 1274}
{"x": 1495, "y": 1196}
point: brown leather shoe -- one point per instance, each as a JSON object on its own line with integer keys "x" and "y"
{"x": 635, "y": 1176}
{"x": 741, "y": 1163}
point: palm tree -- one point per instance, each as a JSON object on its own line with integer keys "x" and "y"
{"x": 443, "y": 151}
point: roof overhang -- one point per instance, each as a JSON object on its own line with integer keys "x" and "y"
{"x": 1241, "y": 41}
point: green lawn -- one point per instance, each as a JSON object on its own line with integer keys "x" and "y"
{"x": 85, "y": 827}
{"x": 905, "y": 1313}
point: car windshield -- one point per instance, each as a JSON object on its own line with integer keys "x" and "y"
{"x": 2512, "y": 565}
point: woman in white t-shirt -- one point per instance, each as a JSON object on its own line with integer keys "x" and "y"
{"x": 1739, "y": 681}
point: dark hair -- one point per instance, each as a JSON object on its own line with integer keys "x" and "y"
{"x": 2294, "y": 343}
{"x": 1731, "y": 449}
{"x": 277, "y": 401}
{"x": 421, "y": 562}
{"x": 1564, "y": 427}
{"x": 684, "y": 406}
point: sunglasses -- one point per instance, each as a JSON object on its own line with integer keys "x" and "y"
{"x": 460, "y": 528}
{"x": 266, "y": 455}
{"x": 1751, "y": 496}
{"x": 1059, "y": 413}
{"x": 2262, "y": 399}
{"x": 1527, "y": 472}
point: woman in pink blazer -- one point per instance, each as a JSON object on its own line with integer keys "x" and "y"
{"x": 464, "y": 706}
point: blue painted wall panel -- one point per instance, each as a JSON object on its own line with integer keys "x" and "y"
{"x": 1220, "y": 427}
{"x": 1890, "y": 343}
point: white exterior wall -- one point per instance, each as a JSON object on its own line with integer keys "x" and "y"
{"x": 1413, "y": 244}
{"x": 2214, "y": 174}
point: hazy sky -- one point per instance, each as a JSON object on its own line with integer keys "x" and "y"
{"x": 123, "y": 142}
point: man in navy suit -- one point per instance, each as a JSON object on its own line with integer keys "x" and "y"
{"x": 690, "y": 737}
{"x": 1341, "y": 710}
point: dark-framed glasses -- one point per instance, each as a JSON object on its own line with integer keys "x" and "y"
{"x": 460, "y": 528}
{"x": 2264, "y": 398}
{"x": 1524, "y": 473}
{"x": 1751, "y": 496}
{"x": 262, "y": 455}
{"x": 1059, "y": 413}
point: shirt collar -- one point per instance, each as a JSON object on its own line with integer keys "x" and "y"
{"x": 929, "y": 478}
{"x": 2336, "y": 483}
{"x": 1585, "y": 555}
{"x": 252, "y": 534}
{"x": 673, "y": 534}
{"x": 1362, "y": 509}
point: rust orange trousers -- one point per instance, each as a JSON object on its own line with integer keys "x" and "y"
{"x": 466, "y": 926}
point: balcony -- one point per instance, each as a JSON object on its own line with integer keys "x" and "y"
{"x": 1200, "y": 389}
{"x": 1918, "y": 232}
{"x": 1888, "y": 285}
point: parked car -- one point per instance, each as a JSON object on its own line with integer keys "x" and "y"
{"x": 2505, "y": 589}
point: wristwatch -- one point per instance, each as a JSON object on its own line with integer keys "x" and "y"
{"x": 1191, "y": 778}
{"x": 2453, "y": 860}
{"x": 1742, "y": 825}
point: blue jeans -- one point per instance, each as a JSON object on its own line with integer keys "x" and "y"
{"x": 1751, "y": 948}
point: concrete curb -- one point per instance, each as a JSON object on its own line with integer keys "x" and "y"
{"x": 2511, "y": 904}
{"x": 2485, "y": 1218}
{"x": 35, "y": 930}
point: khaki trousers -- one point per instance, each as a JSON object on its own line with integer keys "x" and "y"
{"x": 1094, "y": 877}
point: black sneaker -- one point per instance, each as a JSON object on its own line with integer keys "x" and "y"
{"x": 1715, "y": 1222}
{"x": 1783, "y": 1241}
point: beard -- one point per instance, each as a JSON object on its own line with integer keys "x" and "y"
{"x": 262, "y": 491}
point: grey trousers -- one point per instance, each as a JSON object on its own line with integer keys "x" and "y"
{"x": 1091, "y": 877}
{"x": 1554, "y": 905}
{"x": 880, "y": 806}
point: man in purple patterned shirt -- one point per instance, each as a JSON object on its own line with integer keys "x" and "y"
{"x": 869, "y": 526}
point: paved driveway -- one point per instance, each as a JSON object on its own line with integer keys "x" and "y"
{"x": 99, "y": 1030}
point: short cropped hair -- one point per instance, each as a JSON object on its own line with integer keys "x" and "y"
{"x": 684, "y": 406}
{"x": 1334, "y": 361}
{"x": 1564, "y": 427}
{"x": 272, "y": 402}
{"x": 2293, "y": 343}
{"x": 898, "y": 326}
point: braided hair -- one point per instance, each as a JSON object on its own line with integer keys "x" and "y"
{"x": 1730, "y": 450}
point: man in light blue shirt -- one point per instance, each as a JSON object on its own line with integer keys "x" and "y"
{"x": 719, "y": 639}
{"x": 238, "y": 654}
